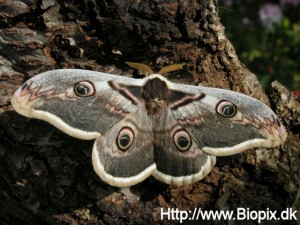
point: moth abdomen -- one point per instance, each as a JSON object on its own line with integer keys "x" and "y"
{"x": 155, "y": 107}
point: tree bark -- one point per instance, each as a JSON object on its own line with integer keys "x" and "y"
{"x": 46, "y": 177}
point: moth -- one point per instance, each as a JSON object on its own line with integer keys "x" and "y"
{"x": 148, "y": 126}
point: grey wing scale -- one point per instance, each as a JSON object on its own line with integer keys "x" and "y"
{"x": 50, "y": 96}
{"x": 252, "y": 125}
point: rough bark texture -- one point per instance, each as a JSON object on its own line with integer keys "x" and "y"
{"x": 46, "y": 177}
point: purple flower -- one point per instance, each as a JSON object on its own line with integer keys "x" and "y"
{"x": 291, "y": 2}
{"x": 270, "y": 14}
{"x": 247, "y": 22}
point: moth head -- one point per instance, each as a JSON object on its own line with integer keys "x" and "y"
{"x": 182, "y": 140}
{"x": 125, "y": 138}
{"x": 226, "y": 109}
{"x": 84, "y": 89}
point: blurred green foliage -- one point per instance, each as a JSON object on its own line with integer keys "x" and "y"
{"x": 271, "y": 52}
